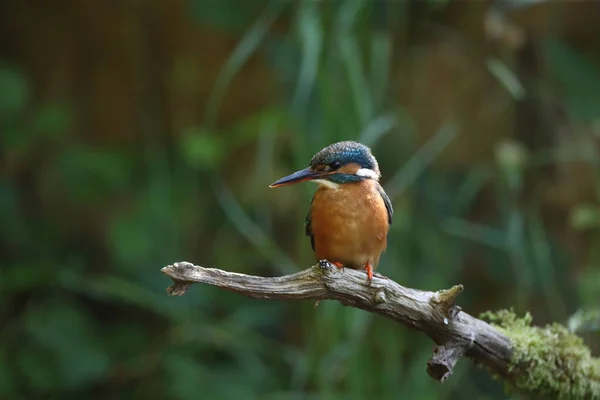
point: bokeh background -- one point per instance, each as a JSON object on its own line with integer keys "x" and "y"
{"x": 139, "y": 133}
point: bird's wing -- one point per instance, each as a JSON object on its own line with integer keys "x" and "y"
{"x": 308, "y": 227}
{"x": 387, "y": 202}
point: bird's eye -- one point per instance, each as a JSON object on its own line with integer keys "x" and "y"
{"x": 335, "y": 165}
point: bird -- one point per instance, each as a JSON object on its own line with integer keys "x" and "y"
{"x": 350, "y": 214}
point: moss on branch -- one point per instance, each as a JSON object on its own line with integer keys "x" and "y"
{"x": 551, "y": 360}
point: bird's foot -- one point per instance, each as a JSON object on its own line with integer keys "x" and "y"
{"x": 369, "y": 270}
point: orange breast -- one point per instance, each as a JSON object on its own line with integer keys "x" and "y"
{"x": 350, "y": 224}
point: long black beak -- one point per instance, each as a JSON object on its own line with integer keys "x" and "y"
{"x": 306, "y": 174}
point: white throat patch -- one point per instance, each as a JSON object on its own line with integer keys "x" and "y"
{"x": 326, "y": 183}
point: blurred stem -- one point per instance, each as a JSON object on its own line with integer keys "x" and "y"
{"x": 353, "y": 60}
{"x": 424, "y": 157}
{"x": 378, "y": 127}
{"x": 264, "y": 163}
{"x": 252, "y": 232}
{"x": 248, "y": 44}
{"x": 545, "y": 267}
{"x": 311, "y": 36}
{"x": 515, "y": 247}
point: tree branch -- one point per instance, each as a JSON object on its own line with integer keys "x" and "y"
{"x": 456, "y": 333}
{"x": 549, "y": 361}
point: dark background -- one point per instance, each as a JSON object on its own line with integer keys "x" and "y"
{"x": 134, "y": 134}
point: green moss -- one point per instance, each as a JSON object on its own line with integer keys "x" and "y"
{"x": 552, "y": 361}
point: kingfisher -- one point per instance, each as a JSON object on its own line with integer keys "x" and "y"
{"x": 350, "y": 214}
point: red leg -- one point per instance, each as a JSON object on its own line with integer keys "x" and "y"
{"x": 369, "y": 270}
{"x": 339, "y": 265}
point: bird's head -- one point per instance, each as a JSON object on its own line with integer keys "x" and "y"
{"x": 337, "y": 164}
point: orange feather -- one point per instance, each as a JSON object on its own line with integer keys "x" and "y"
{"x": 350, "y": 224}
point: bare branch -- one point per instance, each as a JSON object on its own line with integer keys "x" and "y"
{"x": 456, "y": 333}
{"x": 444, "y": 359}
{"x": 549, "y": 361}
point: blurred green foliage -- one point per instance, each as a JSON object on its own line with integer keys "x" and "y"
{"x": 86, "y": 224}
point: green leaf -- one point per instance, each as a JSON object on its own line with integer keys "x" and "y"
{"x": 232, "y": 15}
{"x": 53, "y": 119}
{"x": 93, "y": 173}
{"x": 201, "y": 149}
{"x": 588, "y": 284}
{"x": 251, "y": 128}
{"x": 14, "y": 230}
{"x": 39, "y": 367}
{"x": 14, "y": 91}
{"x": 579, "y": 77}
{"x": 7, "y": 387}
{"x": 185, "y": 377}
{"x": 21, "y": 277}
{"x": 130, "y": 240}
{"x": 15, "y": 138}
{"x": 66, "y": 331}
{"x": 584, "y": 217}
